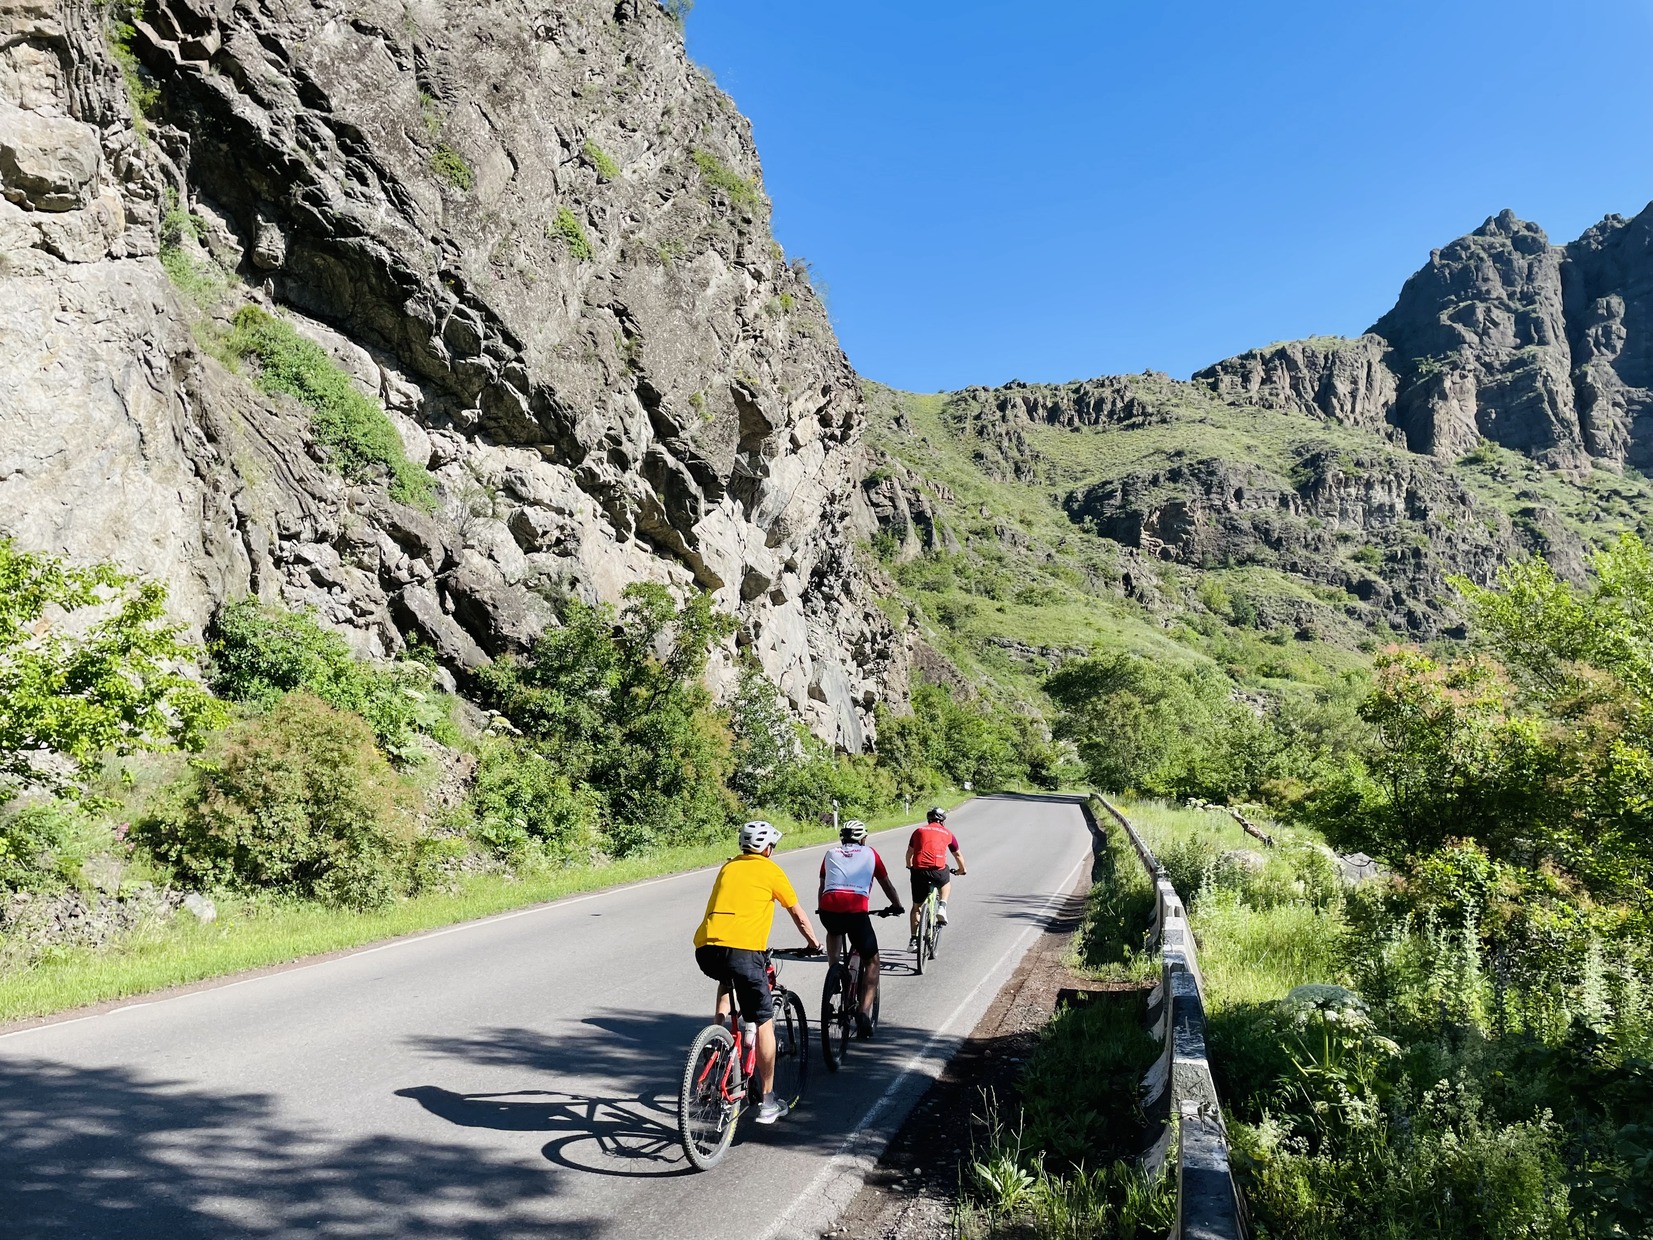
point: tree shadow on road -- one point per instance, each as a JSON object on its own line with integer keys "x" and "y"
{"x": 109, "y": 1152}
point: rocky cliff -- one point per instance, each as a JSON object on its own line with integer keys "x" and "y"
{"x": 535, "y": 235}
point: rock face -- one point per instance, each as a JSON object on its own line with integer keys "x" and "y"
{"x": 535, "y": 235}
{"x": 1501, "y": 336}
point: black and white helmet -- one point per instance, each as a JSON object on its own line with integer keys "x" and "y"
{"x": 759, "y": 835}
{"x": 936, "y": 814}
{"x": 853, "y": 832}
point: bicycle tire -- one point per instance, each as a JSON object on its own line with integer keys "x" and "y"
{"x": 791, "y": 1048}
{"x": 923, "y": 934}
{"x": 705, "y": 1121}
{"x": 936, "y": 928}
{"x": 835, "y": 1016}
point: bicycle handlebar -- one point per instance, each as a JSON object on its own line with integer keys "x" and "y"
{"x": 882, "y": 912}
{"x": 796, "y": 953}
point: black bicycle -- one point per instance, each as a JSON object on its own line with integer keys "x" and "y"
{"x": 930, "y": 925}
{"x": 720, "y": 1079}
{"x": 841, "y": 999}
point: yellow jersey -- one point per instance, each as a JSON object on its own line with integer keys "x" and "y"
{"x": 742, "y": 904}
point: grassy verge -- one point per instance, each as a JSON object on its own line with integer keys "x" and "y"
{"x": 251, "y": 933}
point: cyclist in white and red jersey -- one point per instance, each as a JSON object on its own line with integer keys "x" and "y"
{"x": 927, "y": 864}
{"x": 847, "y": 874}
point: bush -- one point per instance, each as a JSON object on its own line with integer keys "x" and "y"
{"x": 567, "y": 228}
{"x": 951, "y": 739}
{"x": 260, "y": 653}
{"x": 42, "y": 846}
{"x": 450, "y": 165}
{"x": 111, "y": 688}
{"x": 526, "y": 807}
{"x": 298, "y": 801}
{"x": 741, "y": 192}
{"x": 600, "y": 160}
{"x": 361, "y": 441}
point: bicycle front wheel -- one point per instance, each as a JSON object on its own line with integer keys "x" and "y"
{"x": 705, "y": 1118}
{"x": 791, "y": 1048}
{"x": 835, "y": 1016}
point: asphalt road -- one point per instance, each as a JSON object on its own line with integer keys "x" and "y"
{"x": 508, "y": 1078}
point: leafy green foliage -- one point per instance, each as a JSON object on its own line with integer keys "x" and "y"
{"x": 634, "y": 725}
{"x": 141, "y": 91}
{"x": 950, "y": 739}
{"x": 43, "y": 845}
{"x": 87, "y": 669}
{"x": 526, "y": 807}
{"x": 360, "y": 440}
{"x": 450, "y": 165}
{"x": 717, "y": 174}
{"x": 566, "y": 228}
{"x": 600, "y": 160}
{"x": 298, "y": 800}
{"x": 779, "y": 765}
{"x": 261, "y": 653}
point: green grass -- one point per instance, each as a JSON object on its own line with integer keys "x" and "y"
{"x": 600, "y": 160}
{"x": 360, "y": 439}
{"x": 741, "y": 191}
{"x": 450, "y": 165}
{"x": 252, "y": 932}
{"x": 566, "y": 228}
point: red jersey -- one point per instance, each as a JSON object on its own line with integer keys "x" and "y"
{"x": 929, "y": 845}
{"x": 847, "y": 875}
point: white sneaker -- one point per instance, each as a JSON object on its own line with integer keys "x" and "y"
{"x": 773, "y": 1108}
{"x": 941, "y": 914}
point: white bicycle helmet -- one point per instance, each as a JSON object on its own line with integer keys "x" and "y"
{"x": 853, "y": 832}
{"x": 757, "y": 836}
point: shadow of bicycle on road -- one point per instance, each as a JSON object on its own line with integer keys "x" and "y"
{"x": 604, "y": 1136}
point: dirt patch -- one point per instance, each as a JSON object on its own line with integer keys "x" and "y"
{"x": 909, "y": 1195}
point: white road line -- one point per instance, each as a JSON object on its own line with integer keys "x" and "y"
{"x": 824, "y": 1199}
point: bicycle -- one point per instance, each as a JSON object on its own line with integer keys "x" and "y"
{"x": 720, "y": 1078}
{"x": 841, "y": 999}
{"x": 929, "y": 928}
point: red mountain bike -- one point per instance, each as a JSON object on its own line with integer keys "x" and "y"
{"x": 720, "y": 1079}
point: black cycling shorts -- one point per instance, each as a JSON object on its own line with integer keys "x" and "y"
{"x": 746, "y": 973}
{"x": 925, "y": 881}
{"x": 857, "y": 928}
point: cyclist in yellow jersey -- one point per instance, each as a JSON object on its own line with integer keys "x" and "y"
{"x": 734, "y": 935}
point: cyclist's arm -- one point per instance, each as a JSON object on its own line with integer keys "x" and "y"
{"x": 957, "y": 855}
{"x": 801, "y": 920}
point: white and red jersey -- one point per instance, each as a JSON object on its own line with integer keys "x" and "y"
{"x": 848, "y": 872}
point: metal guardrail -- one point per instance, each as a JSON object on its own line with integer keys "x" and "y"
{"x": 1179, "y": 1086}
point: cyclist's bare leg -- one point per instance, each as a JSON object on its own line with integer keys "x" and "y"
{"x": 918, "y": 907}
{"x": 869, "y": 985}
{"x": 834, "y": 945}
{"x": 720, "y": 1013}
{"x": 766, "y": 1055}
{"x": 945, "y": 889}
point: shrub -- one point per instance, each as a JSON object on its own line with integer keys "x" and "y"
{"x": 600, "y": 160}
{"x": 567, "y": 229}
{"x": 716, "y": 173}
{"x": 526, "y": 806}
{"x": 109, "y": 689}
{"x": 260, "y": 653}
{"x": 42, "y": 846}
{"x": 360, "y": 439}
{"x": 298, "y": 801}
{"x": 450, "y": 165}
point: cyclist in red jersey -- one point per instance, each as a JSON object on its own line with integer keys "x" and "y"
{"x": 927, "y": 864}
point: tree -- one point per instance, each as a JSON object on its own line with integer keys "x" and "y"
{"x": 88, "y": 668}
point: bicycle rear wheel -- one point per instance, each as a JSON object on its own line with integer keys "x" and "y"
{"x": 705, "y": 1119}
{"x": 835, "y": 1016}
{"x": 923, "y": 934}
{"x": 936, "y": 927}
{"x": 791, "y": 1048}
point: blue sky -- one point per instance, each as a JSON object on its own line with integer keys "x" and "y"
{"x": 994, "y": 191}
